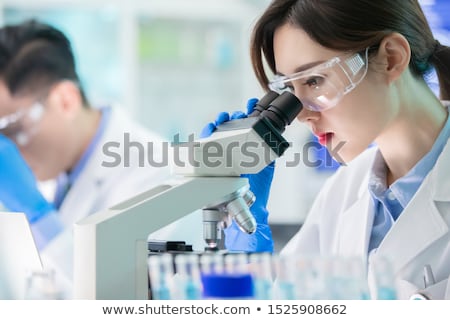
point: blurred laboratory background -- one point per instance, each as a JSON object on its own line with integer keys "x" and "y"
{"x": 174, "y": 64}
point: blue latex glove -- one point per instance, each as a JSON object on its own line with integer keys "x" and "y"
{"x": 18, "y": 186}
{"x": 235, "y": 239}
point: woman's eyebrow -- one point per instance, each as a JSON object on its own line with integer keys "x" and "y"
{"x": 304, "y": 67}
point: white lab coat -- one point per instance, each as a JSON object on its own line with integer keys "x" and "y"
{"x": 340, "y": 223}
{"x": 99, "y": 187}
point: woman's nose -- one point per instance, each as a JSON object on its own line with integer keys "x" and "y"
{"x": 307, "y": 115}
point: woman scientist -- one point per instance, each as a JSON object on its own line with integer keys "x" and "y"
{"x": 47, "y": 125}
{"x": 358, "y": 66}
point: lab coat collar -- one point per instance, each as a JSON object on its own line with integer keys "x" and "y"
{"x": 354, "y": 228}
{"x": 354, "y": 225}
{"x": 421, "y": 222}
{"x": 88, "y": 184}
{"x": 91, "y": 179}
{"x": 440, "y": 177}
{"x": 363, "y": 188}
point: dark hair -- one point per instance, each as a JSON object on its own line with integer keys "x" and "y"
{"x": 352, "y": 25}
{"x": 34, "y": 56}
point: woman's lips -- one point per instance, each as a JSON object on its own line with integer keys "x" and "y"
{"x": 324, "y": 137}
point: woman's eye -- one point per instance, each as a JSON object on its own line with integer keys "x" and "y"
{"x": 313, "y": 82}
{"x": 287, "y": 86}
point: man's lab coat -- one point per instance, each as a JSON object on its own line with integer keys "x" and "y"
{"x": 99, "y": 187}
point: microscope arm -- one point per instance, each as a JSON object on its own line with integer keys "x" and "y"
{"x": 110, "y": 247}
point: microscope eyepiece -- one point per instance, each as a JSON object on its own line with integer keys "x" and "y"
{"x": 272, "y": 113}
{"x": 282, "y": 110}
{"x": 263, "y": 103}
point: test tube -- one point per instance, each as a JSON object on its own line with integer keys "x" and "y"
{"x": 382, "y": 277}
{"x": 187, "y": 279}
{"x": 261, "y": 270}
{"x": 161, "y": 274}
{"x": 307, "y": 282}
{"x": 211, "y": 263}
{"x": 285, "y": 283}
{"x": 41, "y": 285}
{"x": 347, "y": 278}
{"x": 236, "y": 263}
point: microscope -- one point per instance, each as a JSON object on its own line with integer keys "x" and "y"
{"x": 111, "y": 248}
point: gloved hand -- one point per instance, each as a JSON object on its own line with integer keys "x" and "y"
{"x": 18, "y": 186}
{"x": 235, "y": 239}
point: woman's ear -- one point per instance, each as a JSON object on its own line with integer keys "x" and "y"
{"x": 66, "y": 97}
{"x": 394, "y": 54}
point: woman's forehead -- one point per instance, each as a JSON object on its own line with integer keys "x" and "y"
{"x": 295, "y": 51}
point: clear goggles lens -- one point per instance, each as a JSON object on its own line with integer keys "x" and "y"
{"x": 23, "y": 124}
{"x": 323, "y": 86}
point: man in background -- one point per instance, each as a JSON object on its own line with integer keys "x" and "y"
{"x": 49, "y": 130}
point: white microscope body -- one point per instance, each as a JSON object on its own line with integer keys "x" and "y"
{"x": 110, "y": 247}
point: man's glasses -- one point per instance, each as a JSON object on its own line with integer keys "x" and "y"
{"x": 21, "y": 125}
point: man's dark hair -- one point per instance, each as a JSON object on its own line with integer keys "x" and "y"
{"x": 34, "y": 56}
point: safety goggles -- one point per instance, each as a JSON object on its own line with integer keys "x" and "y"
{"x": 323, "y": 86}
{"x": 21, "y": 125}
